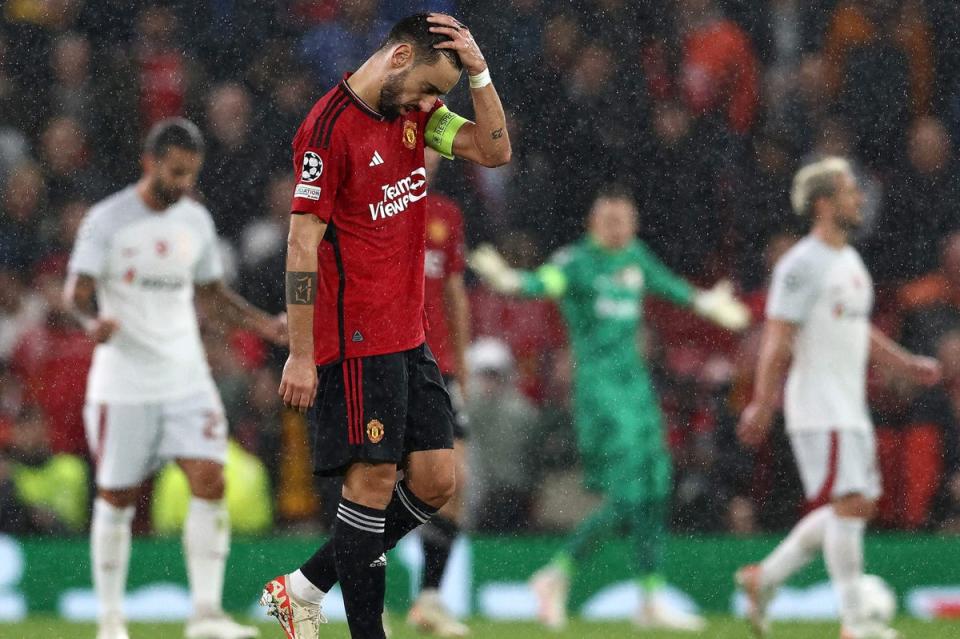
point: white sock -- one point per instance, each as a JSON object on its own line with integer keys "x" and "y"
{"x": 843, "y": 552}
{"x": 206, "y": 543}
{"x": 797, "y": 550}
{"x": 303, "y": 589}
{"x": 110, "y": 555}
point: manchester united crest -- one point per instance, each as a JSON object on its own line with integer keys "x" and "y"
{"x": 410, "y": 134}
{"x": 374, "y": 431}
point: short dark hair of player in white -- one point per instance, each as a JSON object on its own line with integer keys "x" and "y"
{"x": 173, "y": 132}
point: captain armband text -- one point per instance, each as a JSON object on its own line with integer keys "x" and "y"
{"x": 301, "y": 287}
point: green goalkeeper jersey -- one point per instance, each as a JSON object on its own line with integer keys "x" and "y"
{"x": 616, "y": 414}
{"x": 601, "y": 295}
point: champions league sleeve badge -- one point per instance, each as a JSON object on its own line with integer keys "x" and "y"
{"x": 312, "y": 167}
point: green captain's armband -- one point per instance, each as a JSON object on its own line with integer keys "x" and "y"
{"x": 442, "y": 127}
{"x": 546, "y": 281}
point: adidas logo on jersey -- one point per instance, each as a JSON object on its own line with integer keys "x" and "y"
{"x": 377, "y": 160}
{"x": 379, "y": 562}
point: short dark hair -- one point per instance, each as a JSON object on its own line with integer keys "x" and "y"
{"x": 415, "y": 30}
{"x": 173, "y": 132}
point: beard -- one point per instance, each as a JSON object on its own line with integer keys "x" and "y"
{"x": 390, "y": 95}
{"x": 850, "y": 224}
{"x": 165, "y": 195}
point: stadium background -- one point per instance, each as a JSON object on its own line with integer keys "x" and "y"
{"x": 704, "y": 108}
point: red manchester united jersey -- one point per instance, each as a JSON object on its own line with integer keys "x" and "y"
{"x": 364, "y": 176}
{"x": 444, "y": 257}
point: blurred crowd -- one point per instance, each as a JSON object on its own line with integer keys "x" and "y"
{"x": 704, "y": 107}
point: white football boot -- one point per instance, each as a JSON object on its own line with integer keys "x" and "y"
{"x": 656, "y": 613}
{"x": 758, "y": 599}
{"x": 551, "y": 587}
{"x": 429, "y": 615}
{"x": 112, "y": 627}
{"x": 299, "y": 619}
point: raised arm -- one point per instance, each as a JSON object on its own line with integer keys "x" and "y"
{"x": 298, "y": 385}
{"x": 485, "y": 141}
{"x": 776, "y": 348}
{"x": 718, "y": 305}
{"x": 547, "y": 281}
{"x": 887, "y": 354}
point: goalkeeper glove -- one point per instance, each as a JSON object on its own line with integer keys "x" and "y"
{"x": 487, "y": 263}
{"x": 720, "y": 306}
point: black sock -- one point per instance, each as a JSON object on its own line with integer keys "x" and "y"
{"x": 321, "y": 568}
{"x": 438, "y": 536}
{"x": 404, "y": 513}
{"x": 361, "y": 565}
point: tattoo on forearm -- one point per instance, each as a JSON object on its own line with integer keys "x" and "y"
{"x": 301, "y": 287}
{"x": 497, "y": 133}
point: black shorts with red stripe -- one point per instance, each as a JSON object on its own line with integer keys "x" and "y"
{"x": 379, "y": 409}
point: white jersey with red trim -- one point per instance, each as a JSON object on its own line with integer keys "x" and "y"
{"x": 828, "y": 294}
{"x": 145, "y": 264}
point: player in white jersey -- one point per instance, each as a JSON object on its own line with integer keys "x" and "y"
{"x": 818, "y": 325}
{"x": 142, "y": 253}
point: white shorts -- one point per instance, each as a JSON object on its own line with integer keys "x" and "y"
{"x": 130, "y": 442}
{"x": 837, "y": 463}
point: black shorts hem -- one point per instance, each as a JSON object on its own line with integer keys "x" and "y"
{"x": 341, "y": 470}
{"x": 379, "y": 409}
{"x": 422, "y": 449}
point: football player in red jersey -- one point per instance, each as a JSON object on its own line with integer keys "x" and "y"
{"x": 448, "y": 334}
{"x": 355, "y": 264}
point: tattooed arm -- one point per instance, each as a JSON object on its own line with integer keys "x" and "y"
{"x": 485, "y": 141}
{"x": 298, "y": 386}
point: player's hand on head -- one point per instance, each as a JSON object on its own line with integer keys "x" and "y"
{"x": 298, "y": 384}
{"x": 102, "y": 329}
{"x": 461, "y": 41}
{"x": 754, "y": 424}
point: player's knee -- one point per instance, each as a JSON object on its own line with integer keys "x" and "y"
{"x": 118, "y": 498}
{"x": 206, "y": 481}
{"x": 370, "y": 484}
{"x": 436, "y": 488}
{"x": 211, "y": 487}
{"x": 855, "y": 506}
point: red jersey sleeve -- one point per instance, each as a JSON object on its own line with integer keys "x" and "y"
{"x": 318, "y": 170}
{"x": 456, "y": 260}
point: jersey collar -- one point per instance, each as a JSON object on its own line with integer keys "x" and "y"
{"x": 360, "y": 104}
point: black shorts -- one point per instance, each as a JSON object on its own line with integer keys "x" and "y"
{"x": 379, "y": 409}
{"x": 460, "y": 420}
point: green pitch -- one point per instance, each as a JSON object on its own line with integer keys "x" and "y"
{"x": 719, "y": 628}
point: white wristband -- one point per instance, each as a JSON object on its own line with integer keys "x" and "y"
{"x": 480, "y": 80}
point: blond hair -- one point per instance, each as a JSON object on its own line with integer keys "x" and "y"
{"x": 815, "y": 181}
